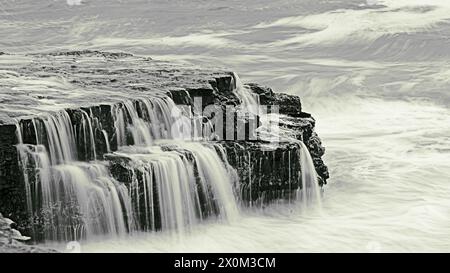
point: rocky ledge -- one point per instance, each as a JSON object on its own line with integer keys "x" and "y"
{"x": 11, "y": 241}
{"x": 93, "y": 84}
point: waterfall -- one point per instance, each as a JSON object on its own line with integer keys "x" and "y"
{"x": 271, "y": 131}
{"x": 250, "y": 100}
{"x": 212, "y": 168}
{"x": 144, "y": 119}
{"x": 105, "y": 136}
{"x": 310, "y": 192}
{"x": 88, "y": 134}
{"x": 90, "y": 201}
{"x": 72, "y": 194}
{"x": 79, "y": 186}
{"x": 179, "y": 183}
{"x": 70, "y": 199}
{"x": 60, "y": 137}
{"x": 23, "y": 163}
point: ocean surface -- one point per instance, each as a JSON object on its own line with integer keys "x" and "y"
{"x": 374, "y": 74}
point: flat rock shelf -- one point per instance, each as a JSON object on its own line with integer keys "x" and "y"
{"x": 86, "y": 146}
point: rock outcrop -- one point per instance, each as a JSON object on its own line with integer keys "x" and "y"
{"x": 92, "y": 87}
{"x": 11, "y": 241}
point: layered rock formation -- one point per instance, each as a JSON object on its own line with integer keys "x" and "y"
{"x": 11, "y": 241}
{"x": 98, "y": 90}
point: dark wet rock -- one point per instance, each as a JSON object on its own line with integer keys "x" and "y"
{"x": 288, "y": 104}
{"x": 316, "y": 150}
{"x": 12, "y": 189}
{"x": 181, "y": 96}
{"x": 223, "y": 84}
{"x": 220, "y": 91}
{"x": 300, "y": 124}
{"x": 118, "y": 165}
{"x": 267, "y": 171}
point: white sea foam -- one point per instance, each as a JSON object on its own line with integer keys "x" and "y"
{"x": 363, "y": 25}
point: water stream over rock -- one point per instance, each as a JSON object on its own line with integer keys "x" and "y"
{"x": 78, "y": 188}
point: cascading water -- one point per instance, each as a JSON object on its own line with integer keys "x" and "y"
{"x": 270, "y": 131}
{"x": 173, "y": 184}
{"x": 250, "y": 101}
{"x": 70, "y": 199}
{"x": 211, "y": 168}
{"x": 144, "y": 119}
{"x": 88, "y": 134}
{"x": 172, "y": 189}
{"x": 177, "y": 184}
{"x": 310, "y": 192}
